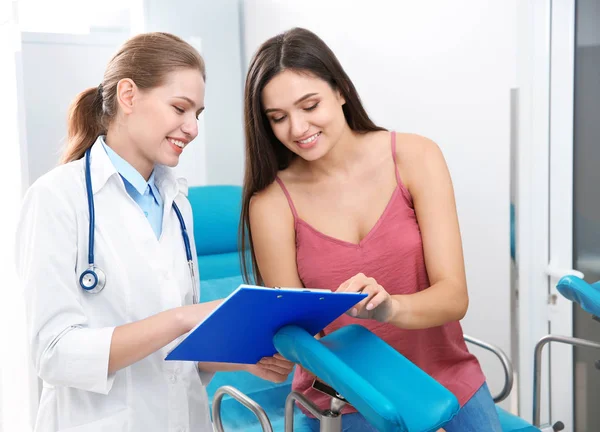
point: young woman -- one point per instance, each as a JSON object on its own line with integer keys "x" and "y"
{"x": 106, "y": 253}
{"x": 332, "y": 200}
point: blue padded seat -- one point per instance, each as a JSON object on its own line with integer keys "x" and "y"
{"x": 219, "y": 266}
{"x": 579, "y": 291}
{"x": 216, "y": 213}
{"x": 375, "y": 378}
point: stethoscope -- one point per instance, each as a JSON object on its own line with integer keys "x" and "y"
{"x": 93, "y": 279}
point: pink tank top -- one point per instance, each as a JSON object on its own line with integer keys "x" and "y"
{"x": 392, "y": 253}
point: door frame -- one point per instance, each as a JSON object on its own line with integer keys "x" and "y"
{"x": 544, "y": 202}
{"x": 562, "y": 75}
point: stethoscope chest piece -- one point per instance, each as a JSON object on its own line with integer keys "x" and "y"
{"x": 92, "y": 280}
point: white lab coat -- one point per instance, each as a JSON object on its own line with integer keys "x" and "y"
{"x": 70, "y": 330}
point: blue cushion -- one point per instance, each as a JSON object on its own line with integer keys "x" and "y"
{"x": 579, "y": 291}
{"x": 219, "y": 266}
{"x": 216, "y": 212}
{"x": 512, "y": 423}
{"x": 214, "y": 289}
{"x": 395, "y": 395}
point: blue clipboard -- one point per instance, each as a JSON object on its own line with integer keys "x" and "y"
{"x": 241, "y": 329}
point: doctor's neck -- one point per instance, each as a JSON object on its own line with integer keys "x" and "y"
{"x": 118, "y": 140}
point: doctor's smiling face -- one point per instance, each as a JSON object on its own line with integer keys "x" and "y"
{"x": 160, "y": 122}
{"x": 147, "y": 104}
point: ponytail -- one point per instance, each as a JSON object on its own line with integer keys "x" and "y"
{"x": 147, "y": 59}
{"x": 84, "y": 123}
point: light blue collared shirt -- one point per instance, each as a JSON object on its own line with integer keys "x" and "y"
{"x": 144, "y": 193}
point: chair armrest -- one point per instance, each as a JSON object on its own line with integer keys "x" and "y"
{"x": 506, "y": 365}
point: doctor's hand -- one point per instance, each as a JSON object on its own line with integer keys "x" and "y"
{"x": 378, "y": 305}
{"x": 275, "y": 369}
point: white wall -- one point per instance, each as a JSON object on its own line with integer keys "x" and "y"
{"x": 442, "y": 69}
{"x": 53, "y": 74}
{"x": 16, "y": 405}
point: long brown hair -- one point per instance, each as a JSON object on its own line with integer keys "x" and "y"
{"x": 146, "y": 59}
{"x": 300, "y": 50}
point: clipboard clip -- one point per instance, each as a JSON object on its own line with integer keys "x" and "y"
{"x": 303, "y": 289}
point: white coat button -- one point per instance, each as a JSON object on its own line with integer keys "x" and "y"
{"x": 173, "y": 379}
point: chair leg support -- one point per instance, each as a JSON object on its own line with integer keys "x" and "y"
{"x": 330, "y": 420}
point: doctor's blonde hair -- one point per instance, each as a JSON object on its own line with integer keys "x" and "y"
{"x": 146, "y": 59}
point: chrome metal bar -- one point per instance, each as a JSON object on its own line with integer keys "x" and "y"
{"x": 331, "y": 423}
{"x": 336, "y": 405}
{"x": 537, "y": 369}
{"x": 289, "y": 409}
{"x": 258, "y": 411}
{"x": 506, "y": 365}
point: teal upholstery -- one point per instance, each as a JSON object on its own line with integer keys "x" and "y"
{"x": 345, "y": 359}
{"x": 219, "y": 266}
{"x": 216, "y": 212}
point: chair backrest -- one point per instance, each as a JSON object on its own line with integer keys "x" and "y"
{"x": 216, "y": 218}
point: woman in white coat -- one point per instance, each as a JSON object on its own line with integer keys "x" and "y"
{"x": 104, "y": 261}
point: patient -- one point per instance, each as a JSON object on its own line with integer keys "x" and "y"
{"x": 331, "y": 200}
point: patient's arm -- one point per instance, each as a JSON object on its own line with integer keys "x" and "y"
{"x": 427, "y": 177}
{"x": 274, "y": 238}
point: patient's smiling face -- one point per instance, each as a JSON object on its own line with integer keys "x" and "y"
{"x": 305, "y": 113}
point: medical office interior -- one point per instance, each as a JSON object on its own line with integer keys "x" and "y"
{"x": 509, "y": 90}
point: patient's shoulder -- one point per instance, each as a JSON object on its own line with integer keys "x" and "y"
{"x": 271, "y": 204}
{"x": 416, "y": 156}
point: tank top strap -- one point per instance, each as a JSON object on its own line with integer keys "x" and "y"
{"x": 398, "y": 181}
{"x": 289, "y": 198}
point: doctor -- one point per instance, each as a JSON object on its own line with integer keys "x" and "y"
{"x": 106, "y": 253}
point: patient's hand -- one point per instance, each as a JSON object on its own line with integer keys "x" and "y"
{"x": 378, "y": 305}
{"x": 275, "y": 369}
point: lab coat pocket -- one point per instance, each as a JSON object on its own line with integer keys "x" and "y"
{"x": 118, "y": 422}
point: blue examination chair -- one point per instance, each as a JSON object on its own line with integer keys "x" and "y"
{"x": 394, "y": 396}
